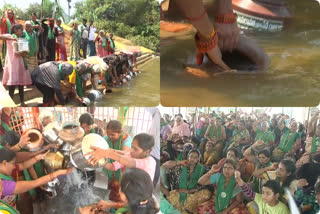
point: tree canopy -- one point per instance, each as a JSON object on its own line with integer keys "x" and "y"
{"x": 136, "y": 20}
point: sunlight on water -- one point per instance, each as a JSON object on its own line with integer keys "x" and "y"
{"x": 292, "y": 78}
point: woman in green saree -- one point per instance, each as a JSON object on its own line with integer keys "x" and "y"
{"x": 185, "y": 195}
{"x": 289, "y": 142}
{"x": 227, "y": 198}
{"x": 217, "y": 134}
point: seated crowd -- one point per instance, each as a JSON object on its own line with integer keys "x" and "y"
{"x": 45, "y": 64}
{"x": 239, "y": 163}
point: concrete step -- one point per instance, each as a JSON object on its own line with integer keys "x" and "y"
{"x": 143, "y": 56}
{"x": 144, "y": 60}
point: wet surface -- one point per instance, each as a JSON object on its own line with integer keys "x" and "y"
{"x": 292, "y": 79}
{"x": 143, "y": 90}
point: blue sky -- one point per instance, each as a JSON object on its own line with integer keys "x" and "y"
{"x": 23, "y": 4}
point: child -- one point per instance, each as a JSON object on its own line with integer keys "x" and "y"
{"x": 267, "y": 201}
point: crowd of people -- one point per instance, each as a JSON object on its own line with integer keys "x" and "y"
{"x": 239, "y": 163}
{"x": 47, "y": 54}
{"x": 132, "y": 172}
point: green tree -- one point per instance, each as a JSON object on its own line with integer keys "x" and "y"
{"x": 137, "y": 20}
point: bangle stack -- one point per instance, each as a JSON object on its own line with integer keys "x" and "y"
{"x": 18, "y": 148}
{"x": 226, "y": 18}
{"x": 205, "y": 46}
{"x": 119, "y": 205}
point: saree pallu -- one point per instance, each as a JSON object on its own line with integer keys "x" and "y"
{"x": 191, "y": 203}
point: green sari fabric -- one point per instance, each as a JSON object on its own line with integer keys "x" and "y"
{"x": 266, "y": 137}
{"x": 33, "y": 41}
{"x": 214, "y": 131}
{"x": 224, "y": 195}
{"x": 288, "y": 140}
{"x": 192, "y": 182}
{"x": 315, "y": 144}
{"x": 118, "y": 146}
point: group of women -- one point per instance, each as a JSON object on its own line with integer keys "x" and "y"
{"x": 201, "y": 158}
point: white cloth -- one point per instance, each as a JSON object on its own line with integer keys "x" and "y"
{"x": 92, "y": 31}
{"x": 155, "y": 131}
{"x": 84, "y": 30}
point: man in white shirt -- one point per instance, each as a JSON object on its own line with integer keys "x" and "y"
{"x": 92, "y": 46}
{"x": 84, "y": 35}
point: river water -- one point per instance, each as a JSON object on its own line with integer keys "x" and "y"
{"x": 144, "y": 90}
{"x": 293, "y": 78}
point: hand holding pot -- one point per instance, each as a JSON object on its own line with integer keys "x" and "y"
{"x": 41, "y": 156}
{"x": 96, "y": 155}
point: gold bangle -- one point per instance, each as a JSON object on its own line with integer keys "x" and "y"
{"x": 17, "y": 147}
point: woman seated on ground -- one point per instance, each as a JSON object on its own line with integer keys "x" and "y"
{"x": 289, "y": 142}
{"x": 286, "y": 176}
{"x": 202, "y": 127}
{"x": 264, "y": 140}
{"x": 185, "y": 194}
{"x": 227, "y": 197}
{"x": 312, "y": 143}
{"x": 217, "y": 134}
{"x": 263, "y": 165}
{"x": 210, "y": 155}
{"x": 240, "y": 137}
{"x": 267, "y": 202}
{"x": 308, "y": 199}
{"x": 136, "y": 192}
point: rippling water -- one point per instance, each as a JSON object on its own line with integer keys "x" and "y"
{"x": 144, "y": 90}
{"x": 293, "y": 78}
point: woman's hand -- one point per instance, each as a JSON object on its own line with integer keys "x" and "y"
{"x": 64, "y": 171}
{"x": 183, "y": 163}
{"x": 96, "y": 155}
{"x": 214, "y": 169}
{"x": 237, "y": 176}
{"x": 103, "y": 205}
{"x": 87, "y": 210}
{"x": 228, "y": 36}
{"x": 215, "y": 55}
{"x": 24, "y": 141}
{"x": 41, "y": 156}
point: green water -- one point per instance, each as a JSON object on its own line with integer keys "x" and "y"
{"x": 143, "y": 90}
{"x": 293, "y": 78}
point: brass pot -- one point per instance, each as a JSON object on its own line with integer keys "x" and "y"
{"x": 36, "y": 139}
{"x": 55, "y": 161}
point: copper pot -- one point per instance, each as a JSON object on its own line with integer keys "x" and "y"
{"x": 36, "y": 139}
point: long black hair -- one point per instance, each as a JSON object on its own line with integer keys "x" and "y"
{"x": 137, "y": 186}
{"x": 290, "y": 168}
{"x": 6, "y": 155}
